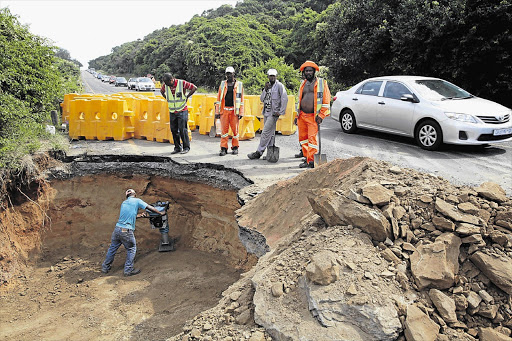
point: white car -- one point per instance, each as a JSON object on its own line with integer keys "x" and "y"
{"x": 144, "y": 84}
{"x": 132, "y": 82}
{"x": 431, "y": 110}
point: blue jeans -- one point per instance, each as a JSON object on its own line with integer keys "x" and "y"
{"x": 179, "y": 129}
{"x": 128, "y": 240}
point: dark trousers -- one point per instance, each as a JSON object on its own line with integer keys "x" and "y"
{"x": 179, "y": 129}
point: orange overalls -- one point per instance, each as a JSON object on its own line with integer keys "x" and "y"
{"x": 308, "y": 128}
{"x": 229, "y": 115}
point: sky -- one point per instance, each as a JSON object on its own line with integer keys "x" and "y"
{"x": 90, "y": 29}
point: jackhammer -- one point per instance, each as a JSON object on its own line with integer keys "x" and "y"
{"x": 161, "y": 222}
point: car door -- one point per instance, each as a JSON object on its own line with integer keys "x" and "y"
{"x": 393, "y": 114}
{"x": 364, "y": 103}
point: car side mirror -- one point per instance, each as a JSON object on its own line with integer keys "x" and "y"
{"x": 409, "y": 98}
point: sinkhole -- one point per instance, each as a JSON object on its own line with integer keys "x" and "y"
{"x": 55, "y": 234}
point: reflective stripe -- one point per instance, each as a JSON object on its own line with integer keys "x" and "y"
{"x": 314, "y": 146}
{"x": 238, "y": 101}
{"x": 222, "y": 84}
{"x": 319, "y": 95}
{"x": 178, "y": 101}
{"x": 303, "y": 141}
{"x": 236, "y": 137}
{"x": 225, "y": 135}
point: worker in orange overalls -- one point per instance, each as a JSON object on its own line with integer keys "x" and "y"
{"x": 312, "y": 108}
{"x": 229, "y": 108}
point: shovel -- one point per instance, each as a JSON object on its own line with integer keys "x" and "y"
{"x": 319, "y": 158}
{"x": 216, "y": 129}
{"x": 273, "y": 152}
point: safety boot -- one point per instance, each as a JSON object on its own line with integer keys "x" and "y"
{"x": 306, "y": 164}
{"x": 223, "y": 151}
{"x": 234, "y": 151}
{"x": 255, "y": 155}
{"x": 299, "y": 154}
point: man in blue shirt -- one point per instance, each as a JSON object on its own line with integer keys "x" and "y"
{"x": 123, "y": 233}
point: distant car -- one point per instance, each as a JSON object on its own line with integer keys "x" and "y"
{"x": 99, "y": 76}
{"x": 112, "y": 80}
{"x": 121, "y": 81}
{"x": 431, "y": 110}
{"x": 105, "y": 78}
{"x": 144, "y": 84}
{"x": 132, "y": 82}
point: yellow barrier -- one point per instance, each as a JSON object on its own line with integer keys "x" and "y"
{"x": 117, "y": 122}
{"x": 207, "y": 115}
{"x": 246, "y": 127}
{"x": 145, "y": 116}
{"x": 158, "y": 85}
{"x": 76, "y": 118}
{"x": 285, "y": 123}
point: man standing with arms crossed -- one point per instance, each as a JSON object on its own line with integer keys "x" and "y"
{"x": 173, "y": 91}
{"x": 229, "y": 108}
{"x": 124, "y": 232}
{"x": 275, "y": 100}
{"x": 313, "y": 107}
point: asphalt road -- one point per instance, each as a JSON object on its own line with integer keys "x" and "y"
{"x": 461, "y": 165}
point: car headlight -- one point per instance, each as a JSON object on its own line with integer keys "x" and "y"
{"x": 461, "y": 117}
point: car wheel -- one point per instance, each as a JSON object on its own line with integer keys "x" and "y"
{"x": 429, "y": 135}
{"x": 348, "y": 121}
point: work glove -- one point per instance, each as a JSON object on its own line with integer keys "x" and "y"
{"x": 276, "y": 114}
{"x": 318, "y": 119}
{"x": 217, "y": 116}
{"x": 295, "y": 121}
{"x": 240, "y": 117}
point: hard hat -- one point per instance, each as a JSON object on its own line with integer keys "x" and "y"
{"x": 272, "y": 72}
{"x": 230, "y": 69}
{"x": 309, "y": 63}
{"x": 129, "y": 192}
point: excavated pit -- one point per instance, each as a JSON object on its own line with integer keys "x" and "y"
{"x": 58, "y": 232}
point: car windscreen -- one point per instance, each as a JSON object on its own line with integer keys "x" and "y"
{"x": 439, "y": 90}
{"x": 145, "y": 80}
{"x": 121, "y": 79}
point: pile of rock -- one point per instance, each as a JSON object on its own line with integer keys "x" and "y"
{"x": 456, "y": 244}
{"x": 363, "y": 250}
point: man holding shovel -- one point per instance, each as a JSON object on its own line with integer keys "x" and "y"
{"x": 275, "y": 100}
{"x": 313, "y": 107}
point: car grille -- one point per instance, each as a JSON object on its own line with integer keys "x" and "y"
{"x": 491, "y": 137}
{"x": 494, "y": 120}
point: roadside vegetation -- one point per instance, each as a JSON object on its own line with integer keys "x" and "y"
{"x": 467, "y": 42}
{"x": 34, "y": 76}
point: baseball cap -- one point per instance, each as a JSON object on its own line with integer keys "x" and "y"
{"x": 272, "y": 72}
{"x": 129, "y": 192}
{"x": 230, "y": 69}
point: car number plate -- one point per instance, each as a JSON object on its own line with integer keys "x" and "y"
{"x": 505, "y": 131}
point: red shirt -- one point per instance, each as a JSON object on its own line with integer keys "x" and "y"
{"x": 186, "y": 85}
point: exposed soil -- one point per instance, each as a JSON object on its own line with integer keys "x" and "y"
{"x": 55, "y": 235}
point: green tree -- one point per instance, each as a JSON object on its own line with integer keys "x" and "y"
{"x": 32, "y": 80}
{"x": 256, "y": 77}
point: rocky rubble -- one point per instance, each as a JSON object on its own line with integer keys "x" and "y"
{"x": 363, "y": 250}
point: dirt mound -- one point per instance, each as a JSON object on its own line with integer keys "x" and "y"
{"x": 443, "y": 261}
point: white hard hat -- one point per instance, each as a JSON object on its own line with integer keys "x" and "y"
{"x": 129, "y": 192}
{"x": 230, "y": 69}
{"x": 272, "y": 72}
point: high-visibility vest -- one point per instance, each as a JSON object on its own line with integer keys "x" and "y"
{"x": 178, "y": 101}
{"x": 238, "y": 99}
{"x": 319, "y": 96}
